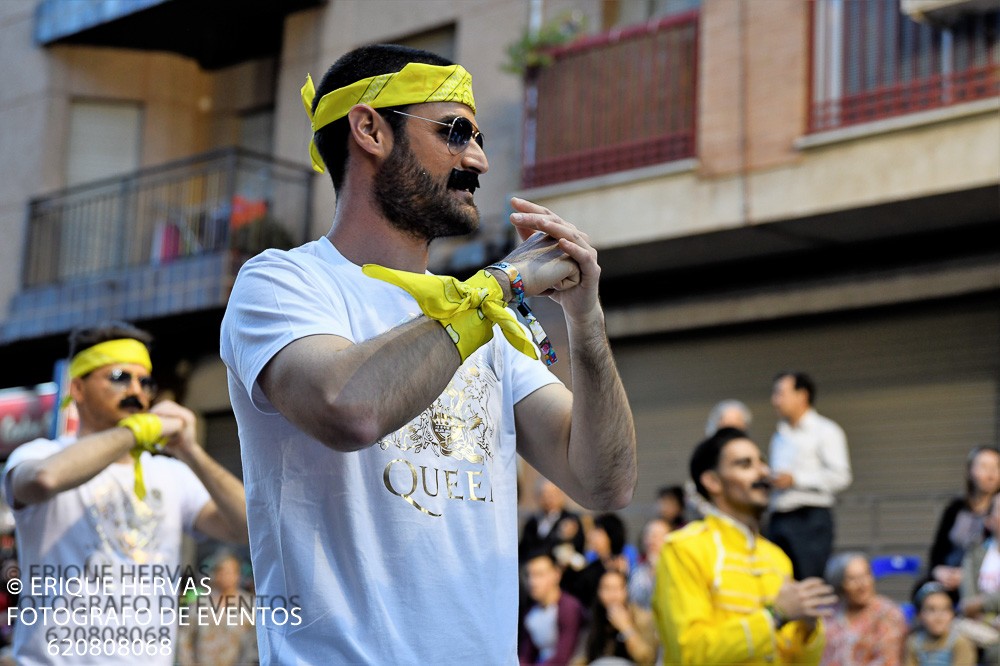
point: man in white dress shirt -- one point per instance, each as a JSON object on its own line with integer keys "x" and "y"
{"x": 811, "y": 466}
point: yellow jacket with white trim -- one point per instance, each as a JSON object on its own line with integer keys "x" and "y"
{"x": 714, "y": 579}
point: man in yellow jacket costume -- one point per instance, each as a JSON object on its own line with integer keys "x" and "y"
{"x": 724, "y": 594}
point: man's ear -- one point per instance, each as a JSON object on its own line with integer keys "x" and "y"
{"x": 76, "y": 388}
{"x": 711, "y": 481}
{"x": 369, "y": 130}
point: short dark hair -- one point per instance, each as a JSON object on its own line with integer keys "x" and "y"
{"x": 926, "y": 590}
{"x": 801, "y": 381}
{"x": 614, "y": 528}
{"x": 707, "y": 453}
{"x": 671, "y": 491}
{"x": 542, "y": 552}
{"x": 82, "y": 338}
{"x": 361, "y": 63}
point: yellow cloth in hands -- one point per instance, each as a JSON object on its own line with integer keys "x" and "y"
{"x": 148, "y": 432}
{"x": 467, "y": 310}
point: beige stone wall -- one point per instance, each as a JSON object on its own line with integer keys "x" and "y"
{"x": 175, "y": 94}
{"x": 24, "y": 108}
{"x": 753, "y": 84}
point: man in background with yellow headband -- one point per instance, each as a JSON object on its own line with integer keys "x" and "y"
{"x": 98, "y": 507}
{"x": 379, "y": 406}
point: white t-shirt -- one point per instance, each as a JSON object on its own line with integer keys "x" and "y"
{"x": 404, "y": 552}
{"x": 542, "y": 625}
{"x": 102, "y": 555}
{"x": 989, "y": 571}
{"x": 814, "y": 451}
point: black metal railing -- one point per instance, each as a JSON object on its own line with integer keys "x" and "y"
{"x": 227, "y": 201}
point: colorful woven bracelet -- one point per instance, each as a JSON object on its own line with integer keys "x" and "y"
{"x": 517, "y": 290}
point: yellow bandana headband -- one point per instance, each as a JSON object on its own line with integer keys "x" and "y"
{"x": 146, "y": 428}
{"x": 416, "y": 83}
{"x": 467, "y": 310}
{"x": 125, "y": 350}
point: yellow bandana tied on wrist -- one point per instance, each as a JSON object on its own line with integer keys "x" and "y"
{"x": 467, "y": 310}
{"x": 416, "y": 83}
{"x": 148, "y": 432}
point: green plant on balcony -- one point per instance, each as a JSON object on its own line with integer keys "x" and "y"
{"x": 533, "y": 49}
{"x": 257, "y": 235}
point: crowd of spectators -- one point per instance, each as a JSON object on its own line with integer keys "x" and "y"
{"x": 606, "y": 586}
{"x": 587, "y": 588}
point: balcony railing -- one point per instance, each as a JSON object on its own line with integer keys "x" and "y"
{"x": 871, "y": 61}
{"x": 618, "y": 101}
{"x": 225, "y": 200}
{"x": 157, "y": 242}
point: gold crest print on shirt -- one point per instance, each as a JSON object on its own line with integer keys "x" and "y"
{"x": 448, "y": 447}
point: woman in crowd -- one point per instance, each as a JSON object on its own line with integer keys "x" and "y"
{"x": 606, "y": 541}
{"x": 980, "y": 586}
{"x": 866, "y": 629}
{"x": 640, "y": 580}
{"x": 961, "y": 524}
{"x": 619, "y": 628}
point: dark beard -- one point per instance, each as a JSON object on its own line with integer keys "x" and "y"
{"x": 414, "y": 203}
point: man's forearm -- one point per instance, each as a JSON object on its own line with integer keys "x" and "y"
{"x": 38, "y": 480}
{"x": 602, "y": 449}
{"x": 348, "y": 396}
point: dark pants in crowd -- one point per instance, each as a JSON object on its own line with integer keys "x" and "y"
{"x": 806, "y": 536}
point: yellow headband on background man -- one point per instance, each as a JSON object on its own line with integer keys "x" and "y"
{"x": 416, "y": 83}
{"x": 125, "y": 350}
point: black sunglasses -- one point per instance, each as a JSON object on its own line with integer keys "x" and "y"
{"x": 122, "y": 379}
{"x": 460, "y": 132}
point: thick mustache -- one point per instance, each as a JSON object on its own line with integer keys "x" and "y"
{"x": 463, "y": 180}
{"x": 131, "y": 401}
{"x": 763, "y": 484}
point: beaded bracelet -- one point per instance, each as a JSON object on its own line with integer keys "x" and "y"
{"x": 517, "y": 290}
{"x": 779, "y": 619}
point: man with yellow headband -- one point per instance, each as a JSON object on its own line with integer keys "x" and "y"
{"x": 99, "y": 519}
{"x": 379, "y": 405}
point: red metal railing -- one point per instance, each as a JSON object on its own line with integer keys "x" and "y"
{"x": 875, "y": 62}
{"x": 617, "y": 101}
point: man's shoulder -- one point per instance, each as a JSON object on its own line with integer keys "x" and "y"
{"x": 693, "y": 531}
{"x": 36, "y": 448}
{"x": 820, "y": 421}
{"x": 304, "y": 254}
{"x": 568, "y": 602}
